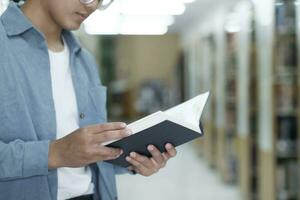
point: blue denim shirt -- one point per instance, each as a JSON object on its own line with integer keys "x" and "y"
{"x": 27, "y": 114}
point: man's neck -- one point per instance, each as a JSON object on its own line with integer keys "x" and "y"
{"x": 40, "y": 18}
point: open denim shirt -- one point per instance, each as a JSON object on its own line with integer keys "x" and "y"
{"x": 27, "y": 114}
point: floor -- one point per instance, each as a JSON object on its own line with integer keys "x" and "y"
{"x": 186, "y": 177}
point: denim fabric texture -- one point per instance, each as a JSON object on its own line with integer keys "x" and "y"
{"x": 27, "y": 114}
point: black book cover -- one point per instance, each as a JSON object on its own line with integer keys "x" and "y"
{"x": 158, "y": 135}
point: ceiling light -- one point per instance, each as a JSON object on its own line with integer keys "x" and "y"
{"x": 106, "y": 23}
{"x": 135, "y": 17}
{"x": 153, "y": 7}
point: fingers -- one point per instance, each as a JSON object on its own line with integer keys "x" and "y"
{"x": 171, "y": 151}
{"x": 158, "y": 159}
{"x": 166, "y": 156}
{"x": 142, "y": 165}
{"x": 130, "y": 168}
{"x": 157, "y": 156}
{"x": 148, "y": 166}
{"x": 107, "y": 153}
{"x": 99, "y": 128}
{"x": 111, "y": 135}
{"x": 107, "y": 132}
{"x": 137, "y": 165}
{"x": 144, "y": 160}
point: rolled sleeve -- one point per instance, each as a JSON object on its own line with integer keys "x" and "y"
{"x": 20, "y": 159}
{"x": 36, "y": 158}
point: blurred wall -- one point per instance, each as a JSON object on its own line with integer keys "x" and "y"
{"x": 142, "y": 58}
{"x": 90, "y": 42}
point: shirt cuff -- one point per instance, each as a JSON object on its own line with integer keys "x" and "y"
{"x": 35, "y": 158}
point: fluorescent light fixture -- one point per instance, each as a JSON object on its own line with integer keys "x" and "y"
{"x": 135, "y": 17}
{"x": 102, "y": 23}
{"x": 145, "y": 25}
{"x": 232, "y": 24}
{"x": 153, "y": 7}
{"x": 232, "y": 28}
{"x": 106, "y": 23}
{"x": 163, "y": 20}
{"x": 265, "y": 11}
{"x": 188, "y": 1}
{"x": 278, "y": 4}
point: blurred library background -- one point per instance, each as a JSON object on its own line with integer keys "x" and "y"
{"x": 155, "y": 54}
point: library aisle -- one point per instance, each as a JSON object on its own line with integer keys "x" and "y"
{"x": 187, "y": 176}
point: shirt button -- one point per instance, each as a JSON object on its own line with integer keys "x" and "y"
{"x": 82, "y": 115}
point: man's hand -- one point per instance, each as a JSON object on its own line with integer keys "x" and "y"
{"x": 84, "y": 146}
{"x": 148, "y": 166}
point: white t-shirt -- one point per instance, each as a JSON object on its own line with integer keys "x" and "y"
{"x": 72, "y": 182}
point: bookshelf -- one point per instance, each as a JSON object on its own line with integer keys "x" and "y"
{"x": 259, "y": 140}
{"x": 204, "y": 82}
{"x": 253, "y": 125}
{"x": 298, "y": 90}
{"x": 286, "y": 109}
{"x": 266, "y": 160}
{"x": 279, "y": 113}
{"x": 230, "y": 151}
{"x": 247, "y": 105}
{"x": 210, "y": 120}
{"x": 264, "y": 30}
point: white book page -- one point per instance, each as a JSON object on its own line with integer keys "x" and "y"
{"x": 145, "y": 123}
{"x": 186, "y": 114}
{"x": 189, "y": 113}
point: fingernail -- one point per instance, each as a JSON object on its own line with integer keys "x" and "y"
{"x": 128, "y": 158}
{"x": 128, "y": 132}
{"x": 121, "y": 152}
{"x": 150, "y": 148}
{"x": 133, "y": 154}
{"x": 169, "y": 146}
{"x": 123, "y": 125}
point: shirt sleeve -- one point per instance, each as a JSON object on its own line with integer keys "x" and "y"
{"x": 122, "y": 170}
{"x": 19, "y": 159}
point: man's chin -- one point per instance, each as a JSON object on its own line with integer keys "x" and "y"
{"x": 72, "y": 27}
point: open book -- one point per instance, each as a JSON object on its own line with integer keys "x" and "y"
{"x": 177, "y": 125}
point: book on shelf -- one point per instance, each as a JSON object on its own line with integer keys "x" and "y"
{"x": 177, "y": 125}
{"x": 287, "y": 180}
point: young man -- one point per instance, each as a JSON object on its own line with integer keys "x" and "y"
{"x": 52, "y": 105}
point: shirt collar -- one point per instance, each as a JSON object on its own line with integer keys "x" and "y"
{"x": 16, "y": 23}
{"x": 71, "y": 41}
